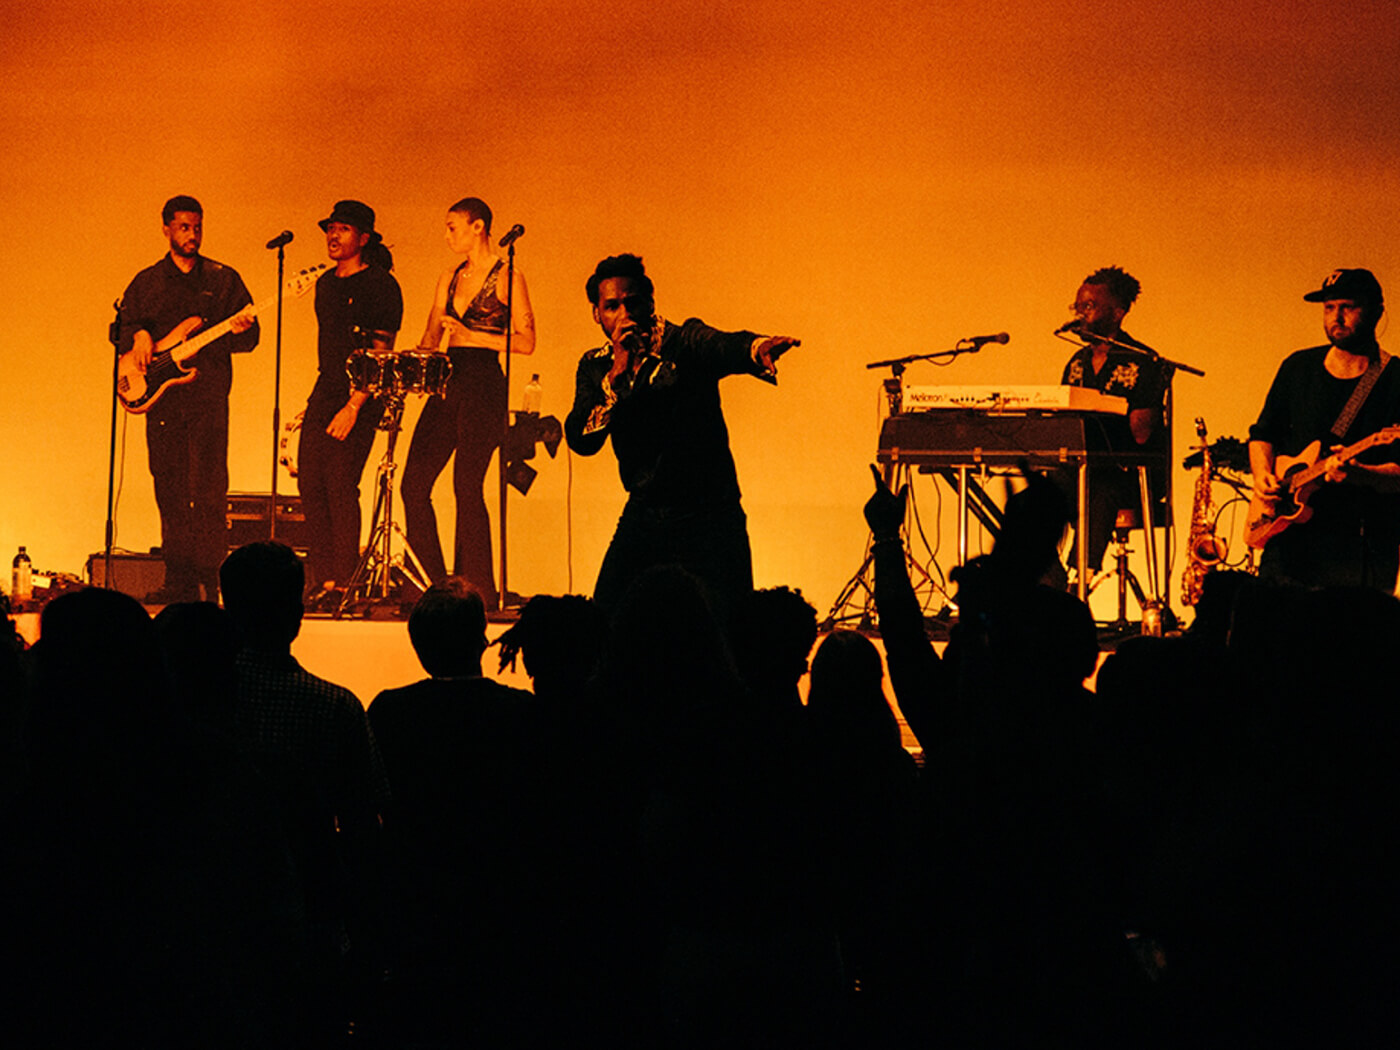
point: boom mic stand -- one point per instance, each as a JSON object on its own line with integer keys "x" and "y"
{"x": 856, "y": 602}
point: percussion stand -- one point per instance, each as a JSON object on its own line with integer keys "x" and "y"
{"x": 373, "y": 580}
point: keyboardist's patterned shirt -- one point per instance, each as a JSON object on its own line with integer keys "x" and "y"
{"x": 1137, "y": 377}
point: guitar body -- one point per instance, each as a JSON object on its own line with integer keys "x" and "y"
{"x": 138, "y": 392}
{"x": 1299, "y": 477}
{"x": 1268, "y": 517}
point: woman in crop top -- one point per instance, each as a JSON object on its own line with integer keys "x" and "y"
{"x": 469, "y": 317}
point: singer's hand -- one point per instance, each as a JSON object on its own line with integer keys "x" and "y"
{"x": 624, "y": 341}
{"x": 767, "y": 352}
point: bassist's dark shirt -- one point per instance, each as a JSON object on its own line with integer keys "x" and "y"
{"x": 163, "y": 295}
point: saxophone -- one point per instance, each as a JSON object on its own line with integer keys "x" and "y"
{"x": 1206, "y": 550}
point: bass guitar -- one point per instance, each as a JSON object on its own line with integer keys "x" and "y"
{"x": 138, "y": 391}
{"x": 1300, "y": 476}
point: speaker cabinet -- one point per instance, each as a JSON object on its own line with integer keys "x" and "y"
{"x": 134, "y": 574}
{"x": 248, "y": 520}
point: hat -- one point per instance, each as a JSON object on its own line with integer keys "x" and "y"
{"x": 352, "y": 213}
{"x": 1358, "y": 285}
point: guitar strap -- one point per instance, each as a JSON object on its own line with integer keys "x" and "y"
{"x": 1359, "y": 394}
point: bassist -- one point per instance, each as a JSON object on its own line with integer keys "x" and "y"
{"x": 1335, "y": 394}
{"x": 187, "y": 428}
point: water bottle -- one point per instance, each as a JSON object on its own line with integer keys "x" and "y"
{"x": 534, "y": 393}
{"x": 22, "y": 580}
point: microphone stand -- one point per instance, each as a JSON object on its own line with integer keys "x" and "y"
{"x": 113, "y": 334}
{"x": 505, "y": 423}
{"x": 276, "y": 394}
{"x": 1134, "y": 347}
{"x": 973, "y": 346}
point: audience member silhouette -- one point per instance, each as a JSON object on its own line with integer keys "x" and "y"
{"x": 722, "y": 882}
{"x": 458, "y": 749}
{"x": 560, "y": 640}
{"x": 772, "y": 634}
{"x": 311, "y": 739}
{"x": 159, "y": 904}
{"x": 868, "y": 809}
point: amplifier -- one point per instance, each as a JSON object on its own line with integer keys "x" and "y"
{"x": 247, "y": 519}
{"x": 134, "y": 574}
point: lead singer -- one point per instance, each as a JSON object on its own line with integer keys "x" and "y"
{"x": 467, "y": 421}
{"x": 654, "y": 387}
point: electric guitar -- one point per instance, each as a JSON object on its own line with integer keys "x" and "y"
{"x": 1300, "y": 477}
{"x": 138, "y": 391}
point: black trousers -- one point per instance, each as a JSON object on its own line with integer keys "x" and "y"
{"x": 328, "y": 479}
{"x": 465, "y": 426}
{"x": 187, "y": 449}
{"x": 711, "y": 544}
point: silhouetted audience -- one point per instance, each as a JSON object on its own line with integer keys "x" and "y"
{"x": 666, "y": 846}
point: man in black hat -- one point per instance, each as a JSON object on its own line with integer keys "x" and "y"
{"x": 187, "y": 424}
{"x": 1348, "y": 531}
{"x": 358, "y": 307}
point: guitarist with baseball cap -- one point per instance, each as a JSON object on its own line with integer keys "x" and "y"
{"x": 1323, "y": 453}
{"x": 187, "y": 426}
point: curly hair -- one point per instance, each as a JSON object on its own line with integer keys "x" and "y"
{"x": 618, "y": 266}
{"x": 1122, "y": 285}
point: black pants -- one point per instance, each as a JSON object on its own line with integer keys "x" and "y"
{"x": 328, "y": 479}
{"x": 711, "y": 544}
{"x": 187, "y": 448}
{"x": 465, "y": 424}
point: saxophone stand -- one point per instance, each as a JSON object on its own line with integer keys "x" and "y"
{"x": 377, "y": 590}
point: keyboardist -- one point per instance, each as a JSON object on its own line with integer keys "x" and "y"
{"x": 1113, "y": 362}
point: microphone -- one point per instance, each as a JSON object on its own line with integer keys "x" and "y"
{"x": 512, "y": 235}
{"x": 980, "y": 341}
{"x": 285, "y": 237}
{"x": 1069, "y": 326}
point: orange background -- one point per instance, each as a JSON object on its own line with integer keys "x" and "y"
{"x": 878, "y": 179}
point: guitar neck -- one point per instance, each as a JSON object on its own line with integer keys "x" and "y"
{"x": 297, "y": 286}
{"x": 1345, "y": 455}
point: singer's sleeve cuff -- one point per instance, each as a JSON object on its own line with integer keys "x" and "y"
{"x": 601, "y": 415}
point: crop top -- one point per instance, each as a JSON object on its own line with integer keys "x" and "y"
{"x": 486, "y": 312}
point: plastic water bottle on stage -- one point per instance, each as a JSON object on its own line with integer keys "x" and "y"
{"x": 532, "y": 396}
{"x": 22, "y": 579}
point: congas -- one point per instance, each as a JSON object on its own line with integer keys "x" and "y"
{"x": 422, "y": 372}
{"x": 372, "y": 374}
